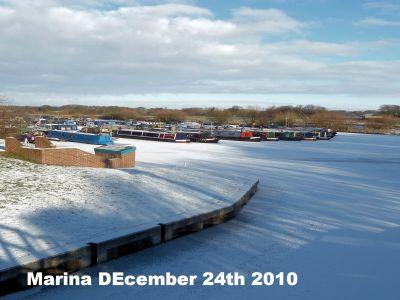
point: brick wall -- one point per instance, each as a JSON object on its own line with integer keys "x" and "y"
{"x": 117, "y": 161}
{"x": 43, "y": 142}
{"x": 32, "y": 154}
{"x": 128, "y": 160}
{"x": 13, "y": 145}
{"x": 70, "y": 156}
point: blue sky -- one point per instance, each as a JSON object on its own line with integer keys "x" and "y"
{"x": 339, "y": 54}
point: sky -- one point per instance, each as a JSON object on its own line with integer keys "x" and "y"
{"x": 155, "y": 53}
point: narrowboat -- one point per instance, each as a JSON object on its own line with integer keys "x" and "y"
{"x": 238, "y": 135}
{"x": 64, "y": 127}
{"x": 309, "y": 136}
{"x": 271, "y": 136}
{"x": 202, "y": 137}
{"x": 163, "y": 136}
{"x": 79, "y": 137}
{"x": 291, "y": 136}
{"x": 324, "y": 135}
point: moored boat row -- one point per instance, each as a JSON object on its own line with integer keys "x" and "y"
{"x": 70, "y": 131}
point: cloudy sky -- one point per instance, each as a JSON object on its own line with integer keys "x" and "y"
{"x": 335, "y": 53}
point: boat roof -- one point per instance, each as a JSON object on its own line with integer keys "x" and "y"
{"x": 115, "y": 149}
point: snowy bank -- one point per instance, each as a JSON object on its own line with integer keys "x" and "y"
{"x": 328, "y": 211}
{"x": 46, "y": 210}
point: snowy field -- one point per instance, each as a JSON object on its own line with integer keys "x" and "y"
{"x": 328, "y": 210}
{"x": 46, "y": 210}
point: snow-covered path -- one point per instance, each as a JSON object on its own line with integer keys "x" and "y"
{"x": 329, "y": 211}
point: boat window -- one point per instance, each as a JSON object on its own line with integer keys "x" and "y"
{"x": 150, "y": 134}
{"x": 124, "y": 132}
{"x": 181, "y": 136}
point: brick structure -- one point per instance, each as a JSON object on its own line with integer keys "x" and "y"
{"x": 13, "y": 145}
{"x": 118, "y": 156}
{"x": 115, "y": 157}
{"x": 43, "y": 142}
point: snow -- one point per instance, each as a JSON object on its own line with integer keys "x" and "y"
{"x": 46, "y": 210}
{"x": 328, "y": 210}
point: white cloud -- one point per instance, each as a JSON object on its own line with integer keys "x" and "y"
{"x": 272, "y": 21}
{"x": 382, "y": 6}
{"x": 377, "y": 22}
{"x": 51, "y": 48}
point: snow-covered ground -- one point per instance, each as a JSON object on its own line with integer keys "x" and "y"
{"x": 329, "y": 211}
{"x": 46, "y": 209}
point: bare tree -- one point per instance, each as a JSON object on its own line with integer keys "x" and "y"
{"x": 220, "y": 116}
{"x": 170, "y": 115}
{"x": 11, "y": 121}
{"x": 390, "y": 110}
{"x": 251, "y": 115}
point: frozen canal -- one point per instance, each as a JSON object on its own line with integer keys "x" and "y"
{"x": 329, "y": 211}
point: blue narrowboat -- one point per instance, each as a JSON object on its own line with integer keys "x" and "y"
{"x": 79, "y": 137}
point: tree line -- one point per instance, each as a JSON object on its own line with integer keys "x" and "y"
{"x": 387, "y": 116}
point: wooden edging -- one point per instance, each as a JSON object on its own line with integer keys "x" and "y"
{"x": 14, "y": 279}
